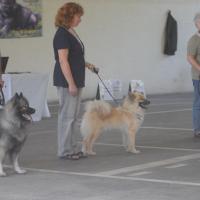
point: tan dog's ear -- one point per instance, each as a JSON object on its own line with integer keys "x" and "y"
{"x": 142, "y": 93}
{"x": 131, "y": 96}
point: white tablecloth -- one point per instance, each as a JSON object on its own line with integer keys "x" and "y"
{"x": 34, "y": 88}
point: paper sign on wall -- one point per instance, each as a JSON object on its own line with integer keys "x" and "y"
{"x": 114, "y": 87}
{"x": 136, "y": 85}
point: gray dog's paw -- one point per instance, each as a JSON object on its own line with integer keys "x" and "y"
{"x": 21, "y": 171}
{"x": 3, "y": 174}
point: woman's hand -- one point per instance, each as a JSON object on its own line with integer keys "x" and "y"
{"x": 89, "y": 65}
{"x": 73, "y": 90}
{"x": 1, "y": 83}
{"x": 92, "y": 67}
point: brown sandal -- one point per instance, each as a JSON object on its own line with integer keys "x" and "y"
{"x": 72, "y": 157}
{"x": 81, "y": 154}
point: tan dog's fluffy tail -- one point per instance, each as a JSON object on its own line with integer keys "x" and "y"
{"x": 101, "y": 107}
{"x": 95, "y": 111}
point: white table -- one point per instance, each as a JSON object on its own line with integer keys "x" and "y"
{"x": 34, "y": 88}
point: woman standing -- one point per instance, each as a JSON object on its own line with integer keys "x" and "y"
{"x": 69, "y": 77}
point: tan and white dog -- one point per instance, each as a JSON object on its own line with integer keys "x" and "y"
{"x": 101, "y": 115}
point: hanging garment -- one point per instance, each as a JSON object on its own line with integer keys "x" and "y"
{"x": 170, "y": 35}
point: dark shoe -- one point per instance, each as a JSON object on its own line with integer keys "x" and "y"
{"x": 71, "y": 157}
{"x": 81, "y": 154}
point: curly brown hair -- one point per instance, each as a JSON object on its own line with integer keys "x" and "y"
{"x": 66, "y": 13}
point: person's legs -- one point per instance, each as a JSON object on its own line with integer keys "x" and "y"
{"x": 66, "y": 118}
{"x": 196, "y": 107}
{"x": 76, "y": 123}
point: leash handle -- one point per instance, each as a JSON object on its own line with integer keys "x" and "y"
{"x": 107, "y": 89}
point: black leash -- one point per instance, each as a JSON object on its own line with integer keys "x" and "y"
{"x": 96, "y": 71}
{"x": 2, "y": 98}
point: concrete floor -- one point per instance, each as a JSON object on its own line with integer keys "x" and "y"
{"x": 166, "y": 169}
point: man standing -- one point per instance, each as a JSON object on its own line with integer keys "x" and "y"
{"x": 193, "y": 57}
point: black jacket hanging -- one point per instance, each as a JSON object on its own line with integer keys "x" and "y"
{"x": 170, "y": 35}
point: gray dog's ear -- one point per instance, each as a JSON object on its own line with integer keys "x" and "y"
{"x": 15, "y": 98}
{"x": 21, "y": 94}
{"x": 16, "y": 95}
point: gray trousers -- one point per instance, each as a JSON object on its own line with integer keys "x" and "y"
{"x": 68, "y": 112}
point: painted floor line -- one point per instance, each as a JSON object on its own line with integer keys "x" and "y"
{"x": 174, "y": 103}
{"x": 140, "y": 173}
{"x": 168, "y": 111}
{"x": 161, "y": 181}
{"x": 150, "y": 165}
{"x": 176, "y": 166}
{"x": 150, "y": 147}
{"x": 166, "y": 128}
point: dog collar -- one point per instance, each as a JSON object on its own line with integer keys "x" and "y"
{"x": 138, "y": 116}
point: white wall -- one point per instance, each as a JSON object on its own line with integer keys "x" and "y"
{"x": 123, "y": 37}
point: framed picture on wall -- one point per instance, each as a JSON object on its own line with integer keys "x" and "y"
{"x": 20, "y": 18}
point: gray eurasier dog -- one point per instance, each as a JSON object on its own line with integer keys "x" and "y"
{"x": 14, "y": 118}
